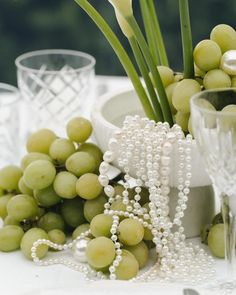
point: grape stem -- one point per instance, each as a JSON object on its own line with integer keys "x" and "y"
{"x": 186, "y": 39}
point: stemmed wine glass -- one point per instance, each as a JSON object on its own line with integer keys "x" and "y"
{"x": 213, "y": 115}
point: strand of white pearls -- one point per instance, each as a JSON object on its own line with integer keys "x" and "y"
{"x": 81, "y": 266}
{"x": 151, "y": 145}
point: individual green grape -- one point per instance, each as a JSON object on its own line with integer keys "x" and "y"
{"x": 61, "y": 149}
{"x": 31, "y": 157}
{"x": 79, "y": 129}
{"x": 207, "y": 55}
{"x": 140, "y": 252}
{"x": 209, "y": 120}
{"x": 182, "y": 120}
{"x": 118, "y": 205}
{"x": 228, "y": 122}
{"x": 169, "y": 92}
{"x": 65, "y": 185}
{"x": 10, "y": 238}
{"x": 3, "y": 205}
{"x": 100, "y": 252}
{"x": 231, "y": 108}
{"x": 40, "y": 141}
{"x": 94, "y": 207}
{"x": 128, "y": 267}
{"x": 233, "y": 81}
{"x": 167, "y": 75}
{"x": 101, "y": 225}
{"x": 182, "y": 93}
{"x": 198, "y": 72}
{"x": 22, "y": 207}
{"x": 216, "y": 240}
{"x": 80, "y": 229}
{"x": 72, "y": 212}
{"x": 94, "y": 151}
{"x": 80, "y": 163}
{"x": 39, "y": 174}
{"x": 205, "y": 104}
{"x": 57, "y": 236}
{"x": 118, "y": 189}
{"x": 216, "y": 79}
{"x": 88, "y": 187}
{"x": 9, "y": 220}
{"x": 9, "y": 177}
{"x": 47, "y": 197}
{"x": 31, "y": 236}
{"x": 51, "y": 221}
{"x": 224, "y": 36}
{"x": 131, "y": 232}
{"x": 24, "y": 189}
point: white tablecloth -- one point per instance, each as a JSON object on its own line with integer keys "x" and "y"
{"x": 19, "y": 276}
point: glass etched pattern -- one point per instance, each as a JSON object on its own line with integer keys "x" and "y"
{"x": 58, "y": 85}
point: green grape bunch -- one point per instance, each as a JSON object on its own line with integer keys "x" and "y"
{"x": 48, "y": 195}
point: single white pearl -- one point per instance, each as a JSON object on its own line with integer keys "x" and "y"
{"x": 108, "y": 156}
{"x": 109, "y": 190}
{"x": 79, "y": 250}
{"x": 103, "y": 179}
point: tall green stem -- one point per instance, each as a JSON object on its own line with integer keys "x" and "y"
{"x": 121, "y": 53}
{"x": 152, "y": 67}
{"x": 186, "y": 39}
{"x": 145, "y": 73}
{"x": 149, "y": 31}
{"x": 157, "y": 33}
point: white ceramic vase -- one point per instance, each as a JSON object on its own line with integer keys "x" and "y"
{"x": 108, "y": 115}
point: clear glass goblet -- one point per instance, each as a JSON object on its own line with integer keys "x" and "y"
{"x": 213, "y": 115}
{"x": 58, "y": 84}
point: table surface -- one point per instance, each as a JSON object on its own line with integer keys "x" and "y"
{"x": 19, "y": 276}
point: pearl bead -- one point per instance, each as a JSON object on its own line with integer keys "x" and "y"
{"x": 108, "y": 156}
{"x": 109, "y": 191}
{"x": 79, "y": 249}
{"x": 103, "y": 179}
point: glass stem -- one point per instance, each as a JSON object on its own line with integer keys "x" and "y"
{"x": 228, "y": 212}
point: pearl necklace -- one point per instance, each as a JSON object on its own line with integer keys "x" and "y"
{"x": 143, "y": 148}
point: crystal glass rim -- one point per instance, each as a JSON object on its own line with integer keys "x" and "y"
{"x": 43, "y": 52}
{"x": 198, "y": 95}
{"x": 11, "y": 89}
